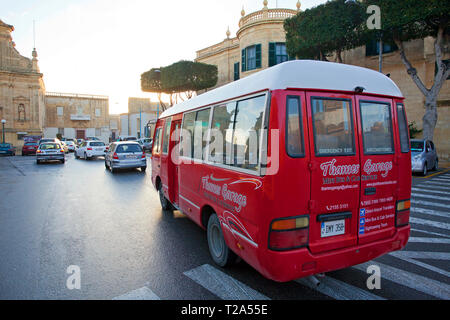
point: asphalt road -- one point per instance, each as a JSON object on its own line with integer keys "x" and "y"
{"x": 53, "y": 216}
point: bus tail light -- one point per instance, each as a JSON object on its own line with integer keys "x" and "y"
{"x": 288, "y": 234}
{"x": 402, "y": 213}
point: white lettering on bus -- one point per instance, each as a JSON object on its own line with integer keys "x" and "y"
{"x": 328, "y": 168}
{"x": 383, "y": 167}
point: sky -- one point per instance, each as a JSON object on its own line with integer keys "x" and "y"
{"x": 102, "y": 47}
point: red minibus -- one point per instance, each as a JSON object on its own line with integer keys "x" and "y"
{"x": 299, "y": 169}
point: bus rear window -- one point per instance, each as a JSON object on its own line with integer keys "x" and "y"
{"x": 294, "y": 133}
{"x": 333, "y": 129}
{"x": 377, "y": 128}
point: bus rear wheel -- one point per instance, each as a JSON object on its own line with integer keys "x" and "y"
{"x": 220, "y": 253}
{"x": 165, "y": 203}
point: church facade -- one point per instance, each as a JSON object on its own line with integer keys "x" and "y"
{"x": 28, "y": 110}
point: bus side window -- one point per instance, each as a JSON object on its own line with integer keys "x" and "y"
{"x": 294, "y": 132}
{"x": 200, "y": 131}
{"x": 403, "y": 128}
{"x": 247, "y": 130}
{"x": 157, "y": 142}
{"x": 222, "y": 133}
{"x": 165, "y": 148}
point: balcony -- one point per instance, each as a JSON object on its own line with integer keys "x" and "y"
{"x": 80, "y": 117}
{"x": 264, "y": 16}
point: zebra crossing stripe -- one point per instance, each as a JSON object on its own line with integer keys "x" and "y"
{"x": 429, "y": 203}
{"x": 437, "y": 183}
{"x": 402, "y": 256}
{"x": 423, "y": 255}
{"x": 427, "y": 191}
{"x": 339, "y": 290}
{"x": 414, "y": 281}
{"x": 435, "y": 224}
{"x": 429, "y": 232}
{"x": 140, "y": 294}
{"x": 432, "y": 187}
{"x": 420, "y": 195}
{"x": 222, "y": 285}
{"x": 428, "y": 240}
{"x": 430, "y": 212}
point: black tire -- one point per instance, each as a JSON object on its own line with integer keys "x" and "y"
{"x": 165, "y": 203}
{"x": 38, "y": 161}
{"x": 424, "y": 169}
{"x": 220, "y": 253}
{"x": 106, "y": 165}
{"x": 143, "y": 169}
{"x": 63, "y": 161}
{"x": 85, "y": 156}
{"x": 436, "y": 165}
{"x": 76, "y": 156}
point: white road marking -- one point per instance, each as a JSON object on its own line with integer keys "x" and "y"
{"x": 400, "y": 255}
{"x": 339, "y": 290}
{"x": 428, "y": 240}
{"x": 429, "y": 203}
{"x": 444, "y": 179}
{"x": 423, "y": 255}
{"x": 429, "y": 232}
{"x": 222, "y": 285}
{"x": 439, "y": 183}
{"x": 428, "y": 191}
{"x": 436, "y": 224}
{"x": 431, "y": 212}
{"x": 427, "y": 196}
{"x": 140, "y": 294}
{"x": 432, "y": 187}
{"x": 417, "y": 282}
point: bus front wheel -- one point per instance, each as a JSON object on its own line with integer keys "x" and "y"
{"x": 220, "y": 253}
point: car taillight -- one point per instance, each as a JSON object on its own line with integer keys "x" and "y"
{"x": 39, "y": 151}
{"x": 62, "y": 150}
{"x": 89, "y": 149}
{"x": 288, "y": 234}
{"x": 143, "y": 156}
{"x": 115, "y": 156}
{"x": 402, "y": 213}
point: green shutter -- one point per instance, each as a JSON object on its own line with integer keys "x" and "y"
{"x": 236, "y": 71}
{"x": 258, "y": 56}
{"x": 244, "y": 60}
{"x": 272, "y": 54}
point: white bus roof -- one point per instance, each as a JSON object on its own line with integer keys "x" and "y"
{"x": 300, "y": 74}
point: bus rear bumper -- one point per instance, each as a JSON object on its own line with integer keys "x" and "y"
{"x": 291, "y": 265}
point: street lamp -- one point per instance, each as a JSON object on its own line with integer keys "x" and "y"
{"x": 3, "y": 129}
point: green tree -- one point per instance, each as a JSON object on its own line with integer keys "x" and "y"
{"x": 324, "y": 30}
{"x": 407, "y": 20}
{"x": 183, "y": 77}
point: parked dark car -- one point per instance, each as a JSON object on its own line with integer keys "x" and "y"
{"x": 30, "y": 148}
{"x": 423, "y": 156}
{"x": 7, "y": 149}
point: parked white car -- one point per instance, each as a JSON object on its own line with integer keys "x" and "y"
{"x": 90, "y": 149}
{"x": 70, "y": 145}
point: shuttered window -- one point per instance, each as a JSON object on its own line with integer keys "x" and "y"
{"x": 251, "y": 58}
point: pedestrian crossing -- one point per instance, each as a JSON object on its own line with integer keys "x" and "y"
{"x": 422, "y": 267}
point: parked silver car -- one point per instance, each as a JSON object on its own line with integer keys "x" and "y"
{"x": 125, "y": 154}
{"x": 50, "y": 151}
{"x": 423, "y": 156}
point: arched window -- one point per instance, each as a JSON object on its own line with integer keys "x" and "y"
{"x": 21, "y": 112}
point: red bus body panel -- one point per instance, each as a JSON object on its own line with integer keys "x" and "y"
{"x": 300, "y": 187}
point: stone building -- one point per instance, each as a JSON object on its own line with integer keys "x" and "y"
{"x": 77, "y": 116}
{"x": 260, "y": 43}
{"x": 141, "y": 118}
{"x": 22, "y": 90}
{"x": 31, "y": 111}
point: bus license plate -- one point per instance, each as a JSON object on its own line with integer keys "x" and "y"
{"x": 332, "y": 228}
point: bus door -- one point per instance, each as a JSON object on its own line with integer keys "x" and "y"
{"x": 379, "y": 168}
{"x": 335, "y": 171}
{"x": 165, "y": 156}
{"x": 156, "y": 152}
{"x": 174, "y": 164}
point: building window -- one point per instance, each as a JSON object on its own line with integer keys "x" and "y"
{"x": 251, "y": 58}
{"x": 98, "y": 112}
{"x": 60, "y": 111}
{"x": 373, "y": 48}
{"x": 236, "y": 71}
{"x": 21, "y": 112}
{"x": 277, "y": 53}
